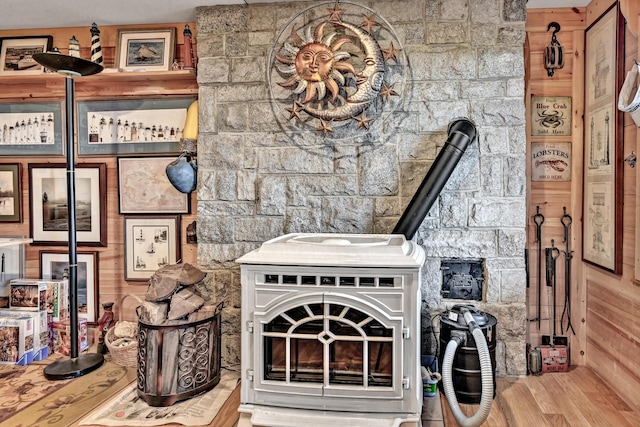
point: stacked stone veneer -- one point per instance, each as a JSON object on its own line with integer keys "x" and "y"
{"x": 255, "y": 182}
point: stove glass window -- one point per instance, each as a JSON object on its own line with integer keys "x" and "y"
{"x": 328, "y": 344}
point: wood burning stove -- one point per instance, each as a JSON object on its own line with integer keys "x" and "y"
{"x": 331, "y": 330}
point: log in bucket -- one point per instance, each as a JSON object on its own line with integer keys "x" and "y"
{"x": 178, "y": 362}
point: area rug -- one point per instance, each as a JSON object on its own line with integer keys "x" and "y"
{"x": 127, "y": 409}
{"x": 29, "y": 399}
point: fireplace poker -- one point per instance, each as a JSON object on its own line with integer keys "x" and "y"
{"x": 551, "y": 255}
{"x": 538, "y": 219}
{"x": 566, "y": 221}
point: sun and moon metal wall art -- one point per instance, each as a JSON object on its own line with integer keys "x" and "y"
{"x": 336, "y": 69}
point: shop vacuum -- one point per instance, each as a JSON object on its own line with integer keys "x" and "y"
{"x": 468, "y": 363}
{"x": 468, "y": 374}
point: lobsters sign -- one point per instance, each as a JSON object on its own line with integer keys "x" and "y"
{"x": 551, "y": 161}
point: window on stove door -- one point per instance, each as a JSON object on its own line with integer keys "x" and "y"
{"x": 329, "y": 344}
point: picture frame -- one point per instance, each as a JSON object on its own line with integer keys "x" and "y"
{"x": 48, "y": 198}
{"x": 603, "y": 159}
{"x": 12, "y": 262}
{"x": 16, "y": 54}
{"x": 145, "y": 49}
{"x": 110, "y": 127}
{"x": 11, "y": 192}
{"x": 26, "y": 135}
{"x": 144, "y": 188}
{"x": 150, "y": 243}
{"x": 52, "y": 265}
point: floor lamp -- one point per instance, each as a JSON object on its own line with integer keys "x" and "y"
{"x": 76, "y": 365}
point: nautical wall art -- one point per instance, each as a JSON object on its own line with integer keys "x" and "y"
{"x": 336, "y": 69}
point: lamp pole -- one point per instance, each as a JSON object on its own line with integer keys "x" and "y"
{"x": 77, "y": 365}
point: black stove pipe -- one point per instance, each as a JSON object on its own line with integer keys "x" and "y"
{"x": 461, "y": 133}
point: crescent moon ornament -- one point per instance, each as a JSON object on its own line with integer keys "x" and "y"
{"x": 332, "y": 76}
{"x": 368, "y": 83}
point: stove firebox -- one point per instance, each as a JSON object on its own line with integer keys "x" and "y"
{"x": 331, "y": 328}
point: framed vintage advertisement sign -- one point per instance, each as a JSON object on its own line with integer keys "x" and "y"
{"x": 132, "y": 126}
{"x": 150, "y": 243}
{"x": 52, "y": 266}
{"x": 551, "y": 116}
{"x": 16, "y": 54}
{"x": 602, "y": 209}
{"x": 145, "y": 49}
{"x": 143, "y": 187}
{"x": 48, "y": 203}
{"x": 11, "y": 192}
{"x": 30, "y": 129}
{"x": 551, "y": 161}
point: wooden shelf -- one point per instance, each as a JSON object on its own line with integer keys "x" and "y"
{"x": 109, "y": 83}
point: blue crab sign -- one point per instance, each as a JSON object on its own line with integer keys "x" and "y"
{"x": 336, "y": 67}
{"x": 551, "y": 116}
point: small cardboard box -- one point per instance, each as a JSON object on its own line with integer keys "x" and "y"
{"x": 58, "y": 299}
{"x": 40, "y": 331}
{"x": 62, "y": 337}
{"x": 28, "y": 295}
{"x": 16, "y": 340}
{"x": 554, "y": 358}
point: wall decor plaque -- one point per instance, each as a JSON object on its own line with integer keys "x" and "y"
{"x": 551, "y": 161}
{"x": 336, "y": 70}
{"x": 551, "y": 116}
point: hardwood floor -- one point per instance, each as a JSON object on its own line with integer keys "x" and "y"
{"x": 578, "y": 398}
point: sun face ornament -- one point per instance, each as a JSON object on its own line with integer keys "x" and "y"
{"x": 331, "y": 73}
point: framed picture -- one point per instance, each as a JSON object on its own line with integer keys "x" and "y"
{"x": 31, "y": 129}
{"x": 48, "y": 204}
{"x": 550, "y": 161}
{"x": 551, "y": 116}
{"x": 602, "y": 210}
{"x": 11, "y": 192}
{"x": 150, "y": 243}
{"x": 16, "y": 54}
{"x": 12, "y": 263}
{"x": 145, "y": 49}
{"x": 143, "y": 187}
{"x": 144, "y": 126}
{"x": 52, "y": 266}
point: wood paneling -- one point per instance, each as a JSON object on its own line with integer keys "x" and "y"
{"x": 554, "y": 197}
{"x": 613, "y": 302}
{"x": 107, "y": 85}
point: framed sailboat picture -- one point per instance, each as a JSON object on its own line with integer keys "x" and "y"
{"x": 150, "y": 243}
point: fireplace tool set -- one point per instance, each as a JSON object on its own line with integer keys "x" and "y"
{"x": 553, "y": 354}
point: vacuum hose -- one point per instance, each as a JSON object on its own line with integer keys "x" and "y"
{"x": 486, "y": 375}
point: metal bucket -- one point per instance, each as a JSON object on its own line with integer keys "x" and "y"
{"x": 178, "y": 362}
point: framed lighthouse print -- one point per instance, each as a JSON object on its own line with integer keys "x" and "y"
{"x": 150, "y": 243}
{"x": 602, "y": 208}
{"x": 48, "y": 210}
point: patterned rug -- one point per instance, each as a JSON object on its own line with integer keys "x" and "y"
{"x": 27, "y": 398}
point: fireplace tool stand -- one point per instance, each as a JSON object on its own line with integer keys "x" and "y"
{"x": 76, "y": 365}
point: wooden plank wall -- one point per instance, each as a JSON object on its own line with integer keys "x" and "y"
{"x": 552, "y": 197}
{"x": 108, "y": 85}
{"x": 613, "y": 302}
{"x": 605, "y": 307}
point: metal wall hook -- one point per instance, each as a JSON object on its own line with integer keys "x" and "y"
{"x": 631, "y": 159}
{"x": 554, "y": 25}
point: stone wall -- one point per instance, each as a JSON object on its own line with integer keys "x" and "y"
{"x": 257, "y": 182}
